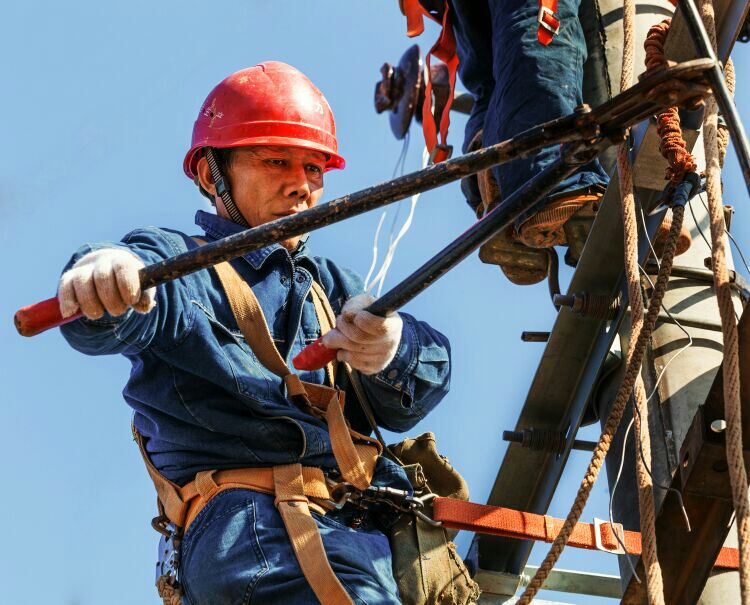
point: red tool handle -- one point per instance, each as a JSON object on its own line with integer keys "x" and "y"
{"x": 41, "y": 316}
{"x": 314, "y": 356}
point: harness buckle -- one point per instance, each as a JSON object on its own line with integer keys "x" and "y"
{"x": 341, "y": 493}
{"x": 552, "y": 27}
{"x": 616, "y": 530}
{"x": 440, "y": 153}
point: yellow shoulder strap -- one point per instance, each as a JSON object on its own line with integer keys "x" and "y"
{"x": 356, "y": 460}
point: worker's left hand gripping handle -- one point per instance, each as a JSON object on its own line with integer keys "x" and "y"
{"x": 314, "y": 356}
{"x": 37, "y": 318}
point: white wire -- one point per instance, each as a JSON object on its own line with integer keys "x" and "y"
{"x": 397, "y": 169}
{"x": 375, "y": 250}
{"x": 379, "y": 278}
{"x": 653, "y": 392}
{"x": 731, "y": 237}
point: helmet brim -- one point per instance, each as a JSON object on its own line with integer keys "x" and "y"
{"x": 333, "y": 160}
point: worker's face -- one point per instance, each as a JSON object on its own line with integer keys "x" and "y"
{"x": 268, "y": 183}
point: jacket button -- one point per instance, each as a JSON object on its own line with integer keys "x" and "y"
{"x": 392, "y": 374}
{"x": 283, "y": 279}
{"x": 300, "y": 279}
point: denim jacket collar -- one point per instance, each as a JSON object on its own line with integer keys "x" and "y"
{"x": 217, "y": 227}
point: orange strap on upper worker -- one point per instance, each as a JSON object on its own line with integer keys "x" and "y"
{"x": 548, "y": 22}
{"x": 510, "y": 523}
{"x": 445, "y": 50}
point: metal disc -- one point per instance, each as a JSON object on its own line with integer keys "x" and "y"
{"x": 410, "y": 70}
{"x": 399, "y": 90}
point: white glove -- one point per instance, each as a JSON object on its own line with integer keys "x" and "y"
{"x": 365, "y": 341}
{"x": 105, "y": 279}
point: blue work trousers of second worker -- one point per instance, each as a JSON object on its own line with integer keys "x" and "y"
{"x": 518, "y": 83}
{"x": 237, "y": 552}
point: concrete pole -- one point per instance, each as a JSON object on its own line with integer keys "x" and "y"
{"x": 683, "y": 386}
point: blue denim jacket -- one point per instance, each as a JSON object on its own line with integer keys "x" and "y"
{"x": 201, "y": 398}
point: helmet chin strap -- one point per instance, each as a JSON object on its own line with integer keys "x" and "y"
{"x": 223, "y": 191}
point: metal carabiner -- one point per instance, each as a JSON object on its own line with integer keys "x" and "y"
{"x": 339, "y": 501}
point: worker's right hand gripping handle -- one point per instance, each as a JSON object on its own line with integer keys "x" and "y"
{"x": 314, "y": 356}
{"x": 41, "y": 316}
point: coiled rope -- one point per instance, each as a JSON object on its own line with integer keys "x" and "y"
{"x": 730, "y": 364}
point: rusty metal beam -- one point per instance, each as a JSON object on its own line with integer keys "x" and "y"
{"x": 686, "y": 557}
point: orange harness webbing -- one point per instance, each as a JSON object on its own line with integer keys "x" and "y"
{"x": 445, "y": 50}
{"x": 548, "y": 22}
{"x": 510, "y": 523}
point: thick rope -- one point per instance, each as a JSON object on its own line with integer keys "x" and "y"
{"x": 169, "y": 594}
{"x": 730, "y": 364}
{"x": 646, "y": 506}
{"x": 615, "y": 414}
{"x": 722, "y": 134}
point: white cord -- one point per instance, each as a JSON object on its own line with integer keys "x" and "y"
{"x": 393, "y": 242}
{"x": 398, "y": 169}
{"x": 731, "y": 237}
{"x": 375, "y": 250}
{"x": 653, "y": 392}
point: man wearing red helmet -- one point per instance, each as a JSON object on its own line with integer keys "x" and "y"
{"x": 244, "y": 453}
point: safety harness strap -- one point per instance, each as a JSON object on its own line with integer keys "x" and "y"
{"x": 548, "y": 22}
{"x": 293, "y": 506}
{"x": 250, "y": 319}
{"x": 510, "y": 523}
{"x": 327, "y": 321}
{"x": 356, "y": 454}
{"x": 445, "y": 50}
{"x": 169, "y": 495}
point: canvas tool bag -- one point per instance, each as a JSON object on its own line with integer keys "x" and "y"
{"x": 426, "y": 565}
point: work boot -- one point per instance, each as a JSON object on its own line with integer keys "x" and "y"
{"x": 546, "y": 228}
{"x": 662, "y": 233}
{"x": 522, "y": 265}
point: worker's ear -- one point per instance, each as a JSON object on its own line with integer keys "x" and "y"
{"x": 205, "y": 179}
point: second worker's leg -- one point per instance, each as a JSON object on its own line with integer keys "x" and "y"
{"x": 534, "y": 84}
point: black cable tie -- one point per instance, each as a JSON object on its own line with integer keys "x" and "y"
{"x": 687, "y": 189}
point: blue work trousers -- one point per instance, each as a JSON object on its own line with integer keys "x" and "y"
{"x": 518, "y": 83}
{"x": 237, "y": 552}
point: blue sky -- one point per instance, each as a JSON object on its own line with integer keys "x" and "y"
{"x": 98, "y": 105}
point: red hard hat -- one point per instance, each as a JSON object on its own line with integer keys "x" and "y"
{"x": 269, "y": 104}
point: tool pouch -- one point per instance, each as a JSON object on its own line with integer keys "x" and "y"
{"x": 427, "y": 568}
